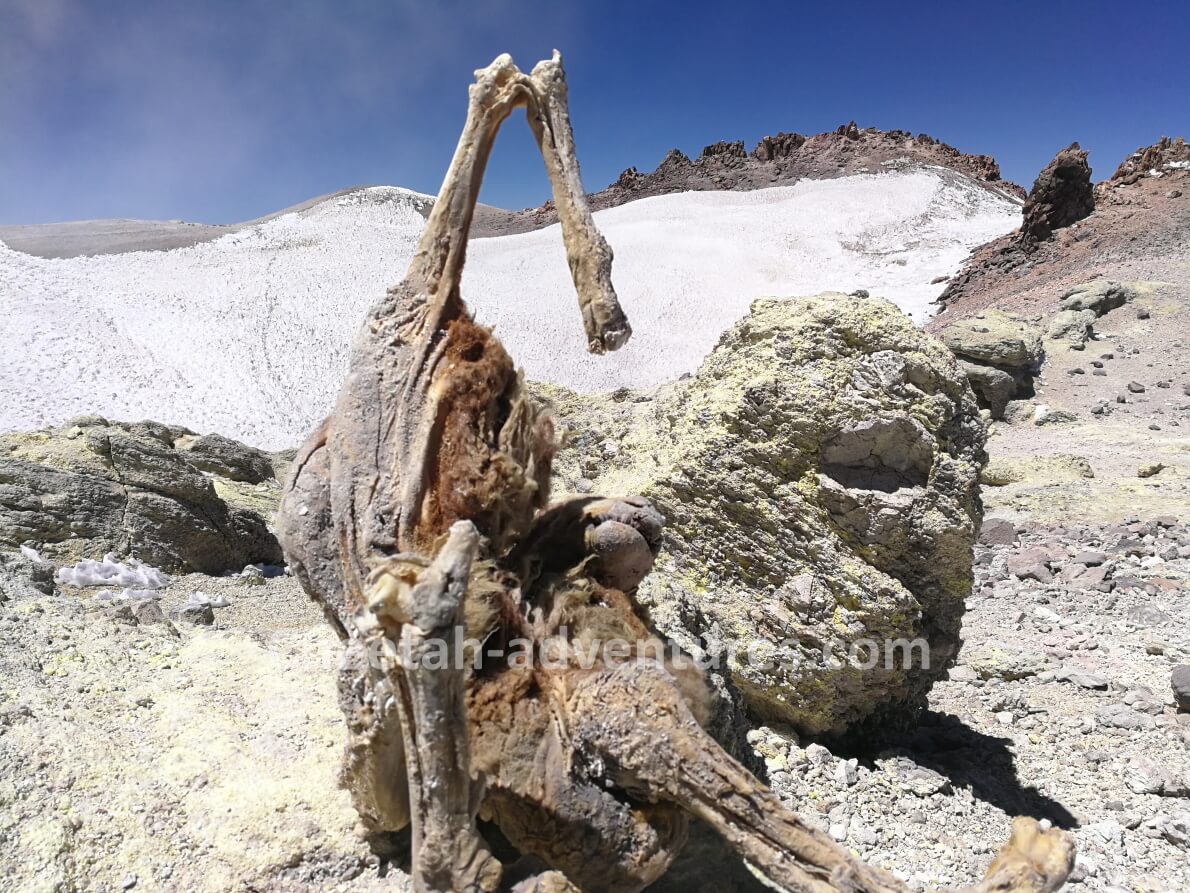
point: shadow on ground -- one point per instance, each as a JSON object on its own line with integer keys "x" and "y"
{"x": 969, "y": 758}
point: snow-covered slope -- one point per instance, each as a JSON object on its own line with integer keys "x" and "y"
{"x": 247, "y": 335}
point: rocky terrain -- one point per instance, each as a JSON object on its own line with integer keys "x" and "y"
{"x": 818, "y": 474}
{"x": 775, "y": 160}
{"x": 1137, "y": 228}
{"x": 177, "y": 500}
{"x": 1060, "y": 707}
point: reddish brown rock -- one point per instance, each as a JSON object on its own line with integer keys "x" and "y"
{"x": 774, "y": 161}
{"x": 1157, "y": 157}
{"x": 783, "y": 145}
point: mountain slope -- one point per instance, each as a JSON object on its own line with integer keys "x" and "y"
{"x": 1139, "y": 230}
{"x": 247, "y": 334}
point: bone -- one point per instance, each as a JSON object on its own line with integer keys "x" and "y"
{"x": 656, "y": 747}
{"x": 448, "y": 852}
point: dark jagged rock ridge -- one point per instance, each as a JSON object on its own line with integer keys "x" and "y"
{"x": 775, "y": 161}
{"x": 1138, "y": 223}
{"x": 1163, "y": 155}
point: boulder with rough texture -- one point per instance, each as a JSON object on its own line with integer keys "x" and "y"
{"x": 23, "y": 577}
{"x": 1099, "y": 296}
{"x": 1154, "y": 159}
{"x": 819, "y": 479}
{"x": 1000, "y": 355}
{"x": 998, "y": 532}
{"x": 1061, "y": 195}
{"x": 1180, "y": 682}
{"x": 783, "y": 145}
{"x": 92, "y": 487}
{"x": 1075, "y": 326}
{"x": 227, "y": 458}
{"x": 994, "y": 387}
{"x": 997, "y": 339}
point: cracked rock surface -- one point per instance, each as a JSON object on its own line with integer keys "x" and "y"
{"x": 179, "y": 502}
{"x": 819, "y": 479}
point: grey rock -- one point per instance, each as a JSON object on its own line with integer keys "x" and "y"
{"x": 1099, "y": 297}
{"x": 997, "y": 660}
{"x": 1031, "y": 564}
{"x": 1073, "y": 325}
{"x": 146, "y": 611}
{"x": 85, "y": 491}
{"x": 1176, "y": 829}
{"x": 22, "y": 578}
{"x": 993, "y": 387}
{"x": 1054, "y": 417}
{"x": 1038, "y": 572}
{"x": 201, "y": 614}
{"x": 1093, "y": 576}
{"x": 1145, "y": 775}
{"x": 227, "y": 458}
{"x": 998, "y": 532}
{"x": 121, "y": 612}
{"x": 1121, "y": 716}
{"x": 962, "y": 673}
{"x": 846, "y": 773}
{"x": 1180, "y": 682}
{"x": 818, "y": 754}
{"x": 1082, "y": 679}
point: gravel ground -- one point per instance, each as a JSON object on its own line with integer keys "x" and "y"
{"x": 203, "y": 757}
{"x": 1060, "y": 708}
{"x": 162, "y": 756}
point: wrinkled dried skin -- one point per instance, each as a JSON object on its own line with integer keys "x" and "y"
{"x": 418, "y": 506}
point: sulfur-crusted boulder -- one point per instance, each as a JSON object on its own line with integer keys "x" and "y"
{"x": 819, "y": 476}
{"x": 92, "y": 487}
{"x": 994, "y": 345}
{"x": 998, "y": 339}
{"x": 1075, "y": 326}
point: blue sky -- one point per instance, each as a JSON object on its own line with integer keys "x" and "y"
{"x": 223, "y": 110}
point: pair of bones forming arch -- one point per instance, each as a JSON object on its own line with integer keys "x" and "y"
{"x": 419, "y": 507}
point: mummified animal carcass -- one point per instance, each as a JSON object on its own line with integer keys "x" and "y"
{"x": 417, "y": 515}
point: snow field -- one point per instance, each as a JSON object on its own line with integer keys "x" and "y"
{"x": 248, "y": 335}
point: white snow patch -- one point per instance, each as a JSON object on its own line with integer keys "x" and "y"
{"x": 248, "y": 335}
{"x": 201, "y": 598}
{"x": 110, "y": 572}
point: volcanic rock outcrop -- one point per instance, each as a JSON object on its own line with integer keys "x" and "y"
{"x": 819, "y": 480}
{"x": 775, "y": 161}
{"x": 178, "y": 502}
{"x": 1061, "y": 195}
{"x": 1133, "y": 227}
{"x": 1163, "y": 156}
